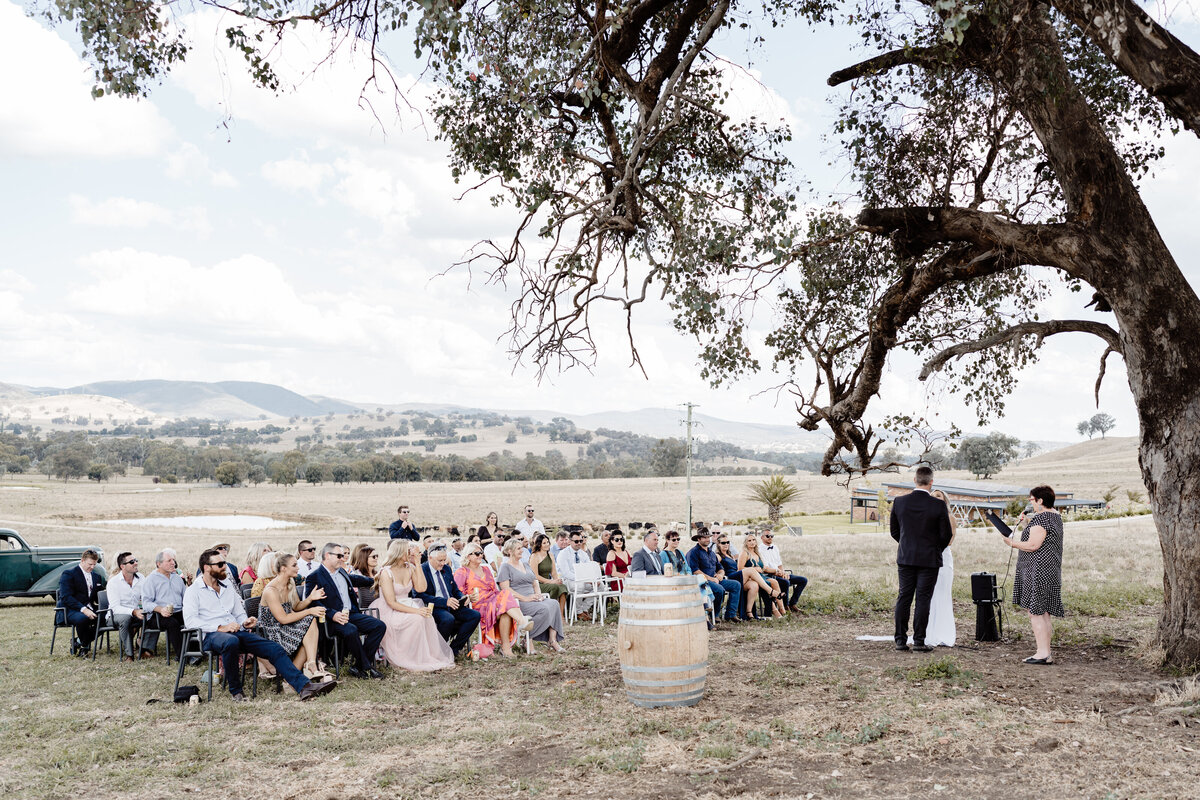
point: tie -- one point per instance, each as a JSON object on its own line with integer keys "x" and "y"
{"x": 441, "y": 587}
{"x": 576, "y": 556}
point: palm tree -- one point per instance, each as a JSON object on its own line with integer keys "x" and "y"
{"x": 774, "y": 492}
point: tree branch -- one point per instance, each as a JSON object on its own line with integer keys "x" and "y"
{"x": 1039, "y": 329}
{"x": 921, "y": 56}
{"x": 1144, "y": 50}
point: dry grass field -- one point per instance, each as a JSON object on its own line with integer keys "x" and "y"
{"x": 798, "y": 708}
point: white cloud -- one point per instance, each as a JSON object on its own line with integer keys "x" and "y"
{"x": 186, "y": 162}
{"x": 298, "y": 173}
{"x": 48, "y": 110}
{"x": 124, "y": 212}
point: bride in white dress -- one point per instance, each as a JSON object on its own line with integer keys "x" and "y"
{"x": 940, "y": 632}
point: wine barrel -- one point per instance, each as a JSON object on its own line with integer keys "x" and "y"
{"x": 662, "y": 641}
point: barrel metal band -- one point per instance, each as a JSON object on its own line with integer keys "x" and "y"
{"x": 656, "y": 623}
{"x": 684, "y": 668}
{"x": 669, "y": 704}
{"x": 635, "y": 696}
{"x": 685, "y": 682}
{"x": 660, "y": 595}
{"x": 655, "y": 606}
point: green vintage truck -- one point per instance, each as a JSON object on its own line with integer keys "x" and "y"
{"x": 27, "y": 571}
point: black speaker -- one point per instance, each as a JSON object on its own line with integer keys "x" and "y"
{"x": 987, "y": 622}
{"x": 983, "y": 587}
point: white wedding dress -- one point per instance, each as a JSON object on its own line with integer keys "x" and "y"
{"x": 940, "y": 632}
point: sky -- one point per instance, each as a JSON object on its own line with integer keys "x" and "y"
{"x": 214, "y": 231}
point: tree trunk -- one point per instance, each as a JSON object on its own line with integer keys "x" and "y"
{"x": 773, "y": 514}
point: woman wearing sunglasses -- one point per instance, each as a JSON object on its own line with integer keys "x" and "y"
{"x": 616, "y": 563}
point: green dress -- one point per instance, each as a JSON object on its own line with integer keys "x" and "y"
{"x": 554, "y": 590}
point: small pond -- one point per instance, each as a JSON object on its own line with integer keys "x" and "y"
{"x": 228, "y": 522}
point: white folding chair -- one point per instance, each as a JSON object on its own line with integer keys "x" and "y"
{"x": 588, "y": 583}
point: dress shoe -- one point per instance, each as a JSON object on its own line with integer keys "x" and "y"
{"x": 313, "y": 689}
{"x": 794, "y": 609}
{"x": 901, "y": 646}
{"x": 148, "y": 654}
{"x": 1032, "y": 660}
{"x": 584, "y": 616}
{"x": 376, "y": 674}
{"x": 240, "y": 698}
{"x": 922, "y": 648}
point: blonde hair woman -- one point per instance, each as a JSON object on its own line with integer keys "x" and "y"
{"x": 253, "y": 556}
{"x": 412, "y": 640}
{"x": 286, "y": 619}
{"x": 267, "y": 570}
{"x": 751, "y": 565}
{"x": 499, "y": 612}
{"x": 540, "y": 609}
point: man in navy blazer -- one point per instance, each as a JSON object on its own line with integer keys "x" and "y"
{"x": 345, "y": 620}
{"x": 921, "y": 524}
{"x": 77, "y": 593}
{"x": 455, "y": 622}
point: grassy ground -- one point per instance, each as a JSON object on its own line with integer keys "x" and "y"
{"x": 797, "y": 708}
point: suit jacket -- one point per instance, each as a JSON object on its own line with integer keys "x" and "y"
{"x": 73, "y": 592}
{"x": 332, "y": 599}
{"x": 429, "y": 596}
{"x": 921, "y": 524}
{"x": 397, "y": 531}
{"x": 641, "y": 560}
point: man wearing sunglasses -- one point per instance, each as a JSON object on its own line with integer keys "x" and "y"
{"x": 211, "y": 606}
{"x": 124, "y": 599}
{"x": 530, "y": 526}
{"x": 403, "y": 528}
{"x": 566, "y": 563}
{"x": 306, "y": 559}
{"x": 773, "y": 566}
{"x": 344, "y": 619}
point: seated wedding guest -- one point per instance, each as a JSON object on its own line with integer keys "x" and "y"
{"x": 412, "y": 641}
{"x": 232, "y": 573}
{"x": 124, "y": 599}
{"x": 702, "y": 561}
{"x": 290, "y": 622}
{"x": 364, "y": 561}
{"x": 214, "y": 608}
{"x": 750, "y": 565}
{"x": 78, "y": 589}
{"x": 562, "y": 541}
{"x": 500, "y": 614}
{"x": 567, "y": 562}
{"x": 455, "y": 551}
{"x": 306, "y": 553}
{"x": 455, "y": 620}
{"x": 519, "y": 579}
{"x": 671, "y": 554}
{"x": 266, "y": 572}
{"x": 542, "y": 564}
{"x": 402, "y": 528}
{"x": 523, "y": 540}
{"x": 600, "y": 551}
{"x": 253, "y": 556}
{"x": 344, "y": 618}
{"x": 617, "y": 561}
{"x": 162, "y": 600}
{"x": 492, "y": 553}
{"x": 646, "y": 559}
{"x": 773, "y": 566}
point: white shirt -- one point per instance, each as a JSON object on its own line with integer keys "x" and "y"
{"x": 492, "y": 554}
{"x": 306, "y": 567}
{"x": 771, "y": 557}
{"x": 123, "y": 598}
{"x": 455, "y": 559}
{"x": 203, "y": 608}
{"x": 530, "y": 528}
{"x": 567, "y": 559}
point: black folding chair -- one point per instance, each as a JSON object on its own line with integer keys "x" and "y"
{"x": 105, "y": 624}
{"x": 60, "y": 621}
{"x": 193, "y": 640}
{"x": 150, "y": 624}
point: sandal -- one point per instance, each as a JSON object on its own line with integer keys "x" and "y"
{"x": 1032, "y": 660}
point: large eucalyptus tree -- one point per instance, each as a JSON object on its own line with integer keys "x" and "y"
{"x": 995, "y": 145}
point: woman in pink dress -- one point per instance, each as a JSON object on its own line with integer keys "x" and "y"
{"x": 412, "y": 640}
{"x": 499, "y": 612}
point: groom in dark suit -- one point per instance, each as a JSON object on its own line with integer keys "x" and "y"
{"x": 921, "y": 524}
{"x": 78, "y": 591}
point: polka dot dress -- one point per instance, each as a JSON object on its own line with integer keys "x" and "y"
{"x": 1038, "y": 584}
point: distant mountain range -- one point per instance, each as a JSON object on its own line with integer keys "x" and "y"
{"x": 249, "y": 400}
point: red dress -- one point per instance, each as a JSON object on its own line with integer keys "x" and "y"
{"x": 618, "y": 567}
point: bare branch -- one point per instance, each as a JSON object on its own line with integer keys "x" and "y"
{"x": 921, "y": 56}
{"x": 1039, "y": 329}
{"x": 1100, "y": 377}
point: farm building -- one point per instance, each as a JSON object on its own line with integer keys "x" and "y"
{"x": 969, "y": 500}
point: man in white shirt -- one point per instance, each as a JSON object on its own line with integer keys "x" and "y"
{"x": 492, "y": 552}
{"x": 212, "y": 607}
{"x": 529, "y": 526}
{"x": 306, "y": 558}
{"x": 773, "y": 566}
{"x": 566, "y": 563}
{"x": 124, "y": 601}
